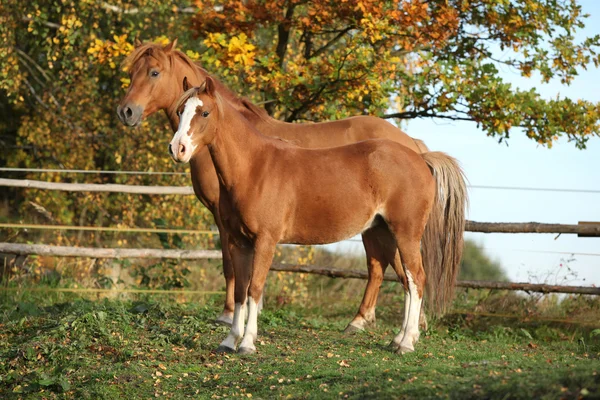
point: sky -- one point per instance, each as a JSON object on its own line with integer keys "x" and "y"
{"x": 536, "y": 258}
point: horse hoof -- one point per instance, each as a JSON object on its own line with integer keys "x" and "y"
{"x": 393, "y": 345}
{"x": 246, "y": 350}
{"x": 404, "y": 349}
{"x": 224, "y": 349}
{"x": 224, "y": 320}
{"x": 351, "y": 329}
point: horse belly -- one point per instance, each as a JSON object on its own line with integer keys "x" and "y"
{"x": 329, "y": 223}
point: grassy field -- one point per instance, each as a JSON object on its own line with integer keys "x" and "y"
{"x": 66, "y": 346}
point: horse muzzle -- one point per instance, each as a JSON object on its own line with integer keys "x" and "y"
{"x": 130, "y": 115}
{"x": 179, "y": 152}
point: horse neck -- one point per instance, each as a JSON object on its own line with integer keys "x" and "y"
{"x": 235, "y": 147}
{"x": 171, "y": 114}
{"x": 181, "y": 70}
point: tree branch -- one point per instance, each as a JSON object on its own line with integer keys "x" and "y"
{"x": 283, "y": 30}
{"x": 52, "y": 25}
{"x": 36, "y": 65}
{"x": 307, "y": 40}
{"x": 297, "y": 111}
{"x": 425, "y": 114}
{"x": 320, "y": 51}
{"x": 116, "y": 9}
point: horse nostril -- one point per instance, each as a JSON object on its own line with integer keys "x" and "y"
{"x": 128, "y": 112}
{"x": 170, "y": 149}
{"x": 181, "y": 149}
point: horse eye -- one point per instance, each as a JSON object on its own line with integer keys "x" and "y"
{"x": 205, "y": 114}
{"x": 179, "y": 114}
{"x": 154, "y": 74}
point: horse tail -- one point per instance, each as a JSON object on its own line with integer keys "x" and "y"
{"x": 421, "y": 146}
{"x": 442, "y": 243}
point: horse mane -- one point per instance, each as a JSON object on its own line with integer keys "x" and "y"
{"x": 186, "y": 96}
{"x": 157, "y": 51}
{"x": 138, "y": 53}
{"x": 256, "y": 110}
{"x": 196, "y": 90}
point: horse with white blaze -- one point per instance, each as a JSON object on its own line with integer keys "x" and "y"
{"x": 275, "y": 192}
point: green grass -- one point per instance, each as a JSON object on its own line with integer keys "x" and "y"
{"x": 64, "y": 346}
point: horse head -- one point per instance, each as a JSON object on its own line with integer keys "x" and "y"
{"x": 199, "y": 109}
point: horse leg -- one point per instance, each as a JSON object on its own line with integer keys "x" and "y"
{"x": 263, "y": 257}
{"x": 415, "y": 281}
{"x": 261, "y": 302}
{"x": 376, "y": 240}
{"x": 397, "y": 265}
{"x": 422, "y": 317}
{"x": 242, "y": 264}
{"x": 226, "y": 317}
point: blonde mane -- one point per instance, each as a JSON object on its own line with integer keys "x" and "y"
{"x": 186, "y": 96}
{"x": 197, "y": 90}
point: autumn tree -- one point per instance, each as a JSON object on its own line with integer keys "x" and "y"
{"x": 60, "y": 83}
{"x": 60, "y": 79}
{"x": 318, "y": 60}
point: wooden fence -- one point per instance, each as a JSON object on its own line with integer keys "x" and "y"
{"x": 583, "y": 229}
{"x": 66, "y": 251}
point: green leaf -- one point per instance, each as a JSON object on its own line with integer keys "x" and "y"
{"x": 526, "y": 333}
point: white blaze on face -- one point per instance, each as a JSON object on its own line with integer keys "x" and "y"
{"x": 183, "y": 134}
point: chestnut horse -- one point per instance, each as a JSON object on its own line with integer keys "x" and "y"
{"x": 156, "y": 74}
{"x": 274, "y": 192}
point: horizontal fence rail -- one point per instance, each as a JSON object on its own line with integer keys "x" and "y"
{"x": 69, "y": 251}
{"x": 64, "y": 251}
{"x": 90, "y": 171}
{"x": 583, "y": 229}
{"x": 126, "y": 172}
{"x": 97, "y": 187}
{"x": 108, "y": 229}
{"x": 528, "y": 287}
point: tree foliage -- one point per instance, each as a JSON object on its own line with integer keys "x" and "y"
{"x": 61, "y": 83}
{"x": 437, "y": 58}
{"x": 60, "y": 79}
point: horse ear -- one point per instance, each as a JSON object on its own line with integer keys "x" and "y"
{"x": 210, "y": 86}
{"x": 171, "y": 46}
{"x": 137, "y": 43}
{"x": 186, "y": 84}
{"x": 201, "y": 88}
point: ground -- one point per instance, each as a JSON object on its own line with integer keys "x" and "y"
{"x": 66, "y": 346}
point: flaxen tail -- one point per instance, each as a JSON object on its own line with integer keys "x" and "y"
{"x": 442, "y": 243}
